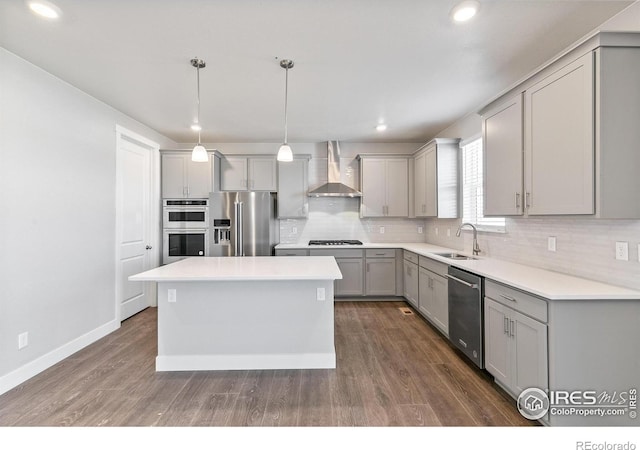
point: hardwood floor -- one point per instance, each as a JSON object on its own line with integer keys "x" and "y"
{"x": 393, "y": 370}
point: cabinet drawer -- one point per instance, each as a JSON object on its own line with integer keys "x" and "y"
{"x": 520, "y": 301}
{"x": 381, "y": 253}
{"x": 433, "y": 266}
{"x": 410, "y": 256}
{"x": 338, "y": 253}
{"x": 292, "y": 252}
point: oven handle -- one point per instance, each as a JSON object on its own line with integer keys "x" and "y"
{"x": 471, "y": 285}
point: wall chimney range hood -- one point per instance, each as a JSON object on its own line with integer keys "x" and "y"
{"x": 334, "y": 188}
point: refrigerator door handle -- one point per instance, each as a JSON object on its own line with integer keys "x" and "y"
{"x": 239, "y": 219}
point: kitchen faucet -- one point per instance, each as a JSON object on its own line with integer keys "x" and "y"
{"x": 476, "y": 248}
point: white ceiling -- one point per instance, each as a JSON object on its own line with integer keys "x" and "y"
{"x": 356, "y": 61}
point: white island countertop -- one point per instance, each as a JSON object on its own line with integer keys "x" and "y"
{"x": 249, "y": 268}
{"x": 544, "y": 283}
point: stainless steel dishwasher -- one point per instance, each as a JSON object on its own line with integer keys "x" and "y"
{"x": 466, "y": 313}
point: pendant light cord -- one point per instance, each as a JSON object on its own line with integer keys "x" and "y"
{"x": 286, "y": 92}
{"x": 198, "y": 82}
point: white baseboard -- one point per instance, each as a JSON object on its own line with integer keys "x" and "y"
{"x": 33, "y": 368}
{"x": 246, "y": 362}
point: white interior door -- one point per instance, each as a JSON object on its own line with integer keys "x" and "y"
{"x": 135, "y": 238}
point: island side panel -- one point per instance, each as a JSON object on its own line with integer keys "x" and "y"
{"x": 229, "y": 325}
{"x": 594, "y": 345}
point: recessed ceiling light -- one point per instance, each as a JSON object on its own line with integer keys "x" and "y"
{"x": 196, "y": 127}
{"x": 381, "y": 127}
{"x": 45, "y": 9}
{"x": 465, "y": 10}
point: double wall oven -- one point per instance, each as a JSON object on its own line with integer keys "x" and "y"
{"x": 185, "y": 226}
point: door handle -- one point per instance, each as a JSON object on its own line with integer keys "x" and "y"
{"x": 148, "y": 247}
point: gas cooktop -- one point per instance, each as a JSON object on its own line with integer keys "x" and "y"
{"x": 335, "y": 242}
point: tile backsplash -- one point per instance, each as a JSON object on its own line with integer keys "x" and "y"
{"x": 585, "y": 247}
{"x": 339, "y": 218}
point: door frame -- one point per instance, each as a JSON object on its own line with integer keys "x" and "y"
{"x": 153, "y": 224}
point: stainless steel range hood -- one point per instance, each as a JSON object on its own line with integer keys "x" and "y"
{"x": 334, "y": 188}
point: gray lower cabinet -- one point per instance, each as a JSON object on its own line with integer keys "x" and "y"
{"x": 433, "y": 293}
{"x": 380, "y": 276}
{"x": 515, "y": 348}
{"x": 411, "y": 282}
{"x": 352, "y": 279}
{"x": 351, "y": 264}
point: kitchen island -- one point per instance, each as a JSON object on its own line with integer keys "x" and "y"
{"x": 250, "y": 313}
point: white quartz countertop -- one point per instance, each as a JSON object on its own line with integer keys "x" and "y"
{"x": 245, "y": 269}
{"x": 544, "y": 283}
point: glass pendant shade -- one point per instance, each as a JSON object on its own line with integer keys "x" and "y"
{"x": 284, "y": 153}
{"x": 199, "y": 154}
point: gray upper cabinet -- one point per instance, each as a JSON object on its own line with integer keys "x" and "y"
{"x": 559, "y": 141}
{"x": 293, "y": 186}
{"x": 578, "y": 132}
{"x": 385, "y": 186}
{"x": 502, "y": 132}
{"x": 183, "y": 178}
{"x": 248, "y": 173}
{"x": 436, "y": 179}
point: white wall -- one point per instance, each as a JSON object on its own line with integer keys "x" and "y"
{"x": 57, "y": 226}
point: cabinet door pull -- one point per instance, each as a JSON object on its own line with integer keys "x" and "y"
{"x": 527, "y": 200}
{"x": 512, "y": 328}
{"x": 505, "y": 325}
{"x": 517, "y": 200}
{"x": 506, "y": 297}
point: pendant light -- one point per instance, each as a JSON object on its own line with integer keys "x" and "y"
{"x": 285, "y": 153}
{"x": 199, "y": 153}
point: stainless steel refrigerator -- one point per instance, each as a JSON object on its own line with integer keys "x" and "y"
{"x": 243, "y": 223}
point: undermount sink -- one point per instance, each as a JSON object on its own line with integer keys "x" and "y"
{"x": 457, "y": 256}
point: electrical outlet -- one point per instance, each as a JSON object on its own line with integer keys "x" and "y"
{"x": 381, "y": 230}
{"x": 551, "y": 243}
{"x": 419, "y": 230}
{"x": 622, "y": 251}
{"x": 23, "y": 340}
{"x": 320, "y": 294}
{"x": 171, "y": 295}
{"x": 294, "y": 230}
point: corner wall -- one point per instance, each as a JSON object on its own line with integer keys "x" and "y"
{"x": 57, "y": 229}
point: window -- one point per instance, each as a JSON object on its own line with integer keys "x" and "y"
{"x": 472, "y": 191}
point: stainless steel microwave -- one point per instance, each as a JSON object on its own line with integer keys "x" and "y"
{"x": 185, "y": 214}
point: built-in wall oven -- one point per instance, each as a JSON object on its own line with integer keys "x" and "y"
{"x": 466, "y": 313}
{"x": 185, "y": 226}
{"x": 184, "y": 214}
{"x": 180, "y": 244}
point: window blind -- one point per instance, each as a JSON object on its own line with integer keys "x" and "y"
{"x": 472, "y": 191}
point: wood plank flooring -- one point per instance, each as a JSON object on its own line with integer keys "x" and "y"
{"x": 392, "y": 370}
